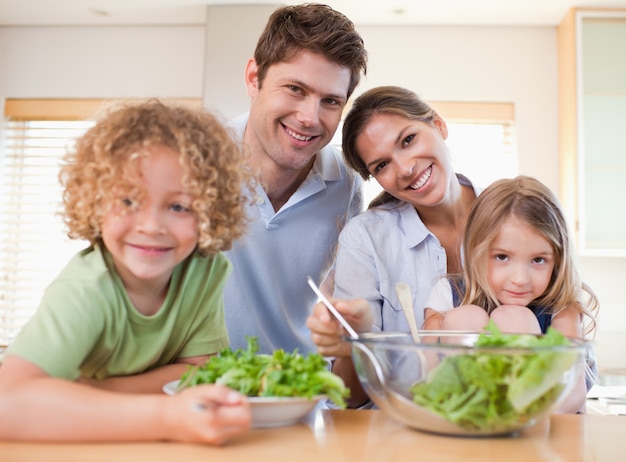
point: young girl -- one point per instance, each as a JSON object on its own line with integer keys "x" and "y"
{"x": 156, "y": 190}
{"x": 519, "y": 270}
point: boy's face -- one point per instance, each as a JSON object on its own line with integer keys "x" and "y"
{"x": 297, "y": 109}
{"x": 147, "y": 239}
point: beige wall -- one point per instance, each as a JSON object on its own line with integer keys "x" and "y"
{"x": 455, "y": 63}
{"x": 228, "y": 49}
{"x": 514, "y": 64}
{"x": 101, "y": 62}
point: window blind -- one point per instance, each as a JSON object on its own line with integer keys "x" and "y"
{"x": 33, "y": 245}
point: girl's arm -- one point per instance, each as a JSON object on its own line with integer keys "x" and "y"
{"x": 568, "y": 321}
{"x": 147, "y": 382}
{"x": 37, "y": 407}
{"x": 433, "y": 319}
{"x": 465, "y": 317}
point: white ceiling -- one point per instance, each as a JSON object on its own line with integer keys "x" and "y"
{"x": 440, "y": 12}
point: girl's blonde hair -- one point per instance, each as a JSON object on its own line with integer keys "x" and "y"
{"x": 97, "y": 170}
{"x": 533, "y": 203}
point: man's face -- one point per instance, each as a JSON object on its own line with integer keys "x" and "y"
{"x": 297, "y": 109}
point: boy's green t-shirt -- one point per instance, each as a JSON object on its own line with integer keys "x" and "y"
{"x": 86, "y": 326}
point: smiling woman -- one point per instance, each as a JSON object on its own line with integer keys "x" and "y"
{"x": 479, "y": 135}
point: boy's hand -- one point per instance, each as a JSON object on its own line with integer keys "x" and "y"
{"x": 206, "y": 414}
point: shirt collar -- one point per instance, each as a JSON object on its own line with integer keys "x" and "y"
{"x": 327, "y": 161}
{"x": 410, "y": 219}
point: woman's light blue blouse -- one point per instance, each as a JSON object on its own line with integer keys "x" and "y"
{"x": 384, "y": 246}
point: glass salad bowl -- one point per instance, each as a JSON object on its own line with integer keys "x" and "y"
{"x": 468, "y": 384}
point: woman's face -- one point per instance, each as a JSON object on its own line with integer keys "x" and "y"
{"x": 408, "y": 158}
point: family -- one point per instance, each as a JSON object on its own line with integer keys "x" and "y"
{"x": 203, "y": 234}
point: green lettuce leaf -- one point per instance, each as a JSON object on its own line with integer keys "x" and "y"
{"x": 491, "y": 390}
{"x": 280, "y": 374}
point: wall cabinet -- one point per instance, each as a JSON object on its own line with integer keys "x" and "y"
{"x": 592, "y": 112}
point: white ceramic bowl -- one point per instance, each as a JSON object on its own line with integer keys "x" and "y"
{"x": 268, "y": 411}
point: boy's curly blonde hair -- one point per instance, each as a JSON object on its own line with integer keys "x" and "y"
{"x": 214, "y": 169}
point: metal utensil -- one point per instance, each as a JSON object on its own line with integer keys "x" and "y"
{"x": 331, "y": 308}
{"x": 396, "y": 404}
{"x": 406, "y": 302}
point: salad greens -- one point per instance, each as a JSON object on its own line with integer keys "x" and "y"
{"x": 278, "y": 374}
{"x": 491, "y": 390}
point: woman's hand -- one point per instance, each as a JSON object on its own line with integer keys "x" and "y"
{"x": 327, "y": 332}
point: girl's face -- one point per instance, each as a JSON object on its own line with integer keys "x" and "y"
{"x": 520, "y": 263}
{"x": 408, "y": 158}
{"x": 148, "y": 239}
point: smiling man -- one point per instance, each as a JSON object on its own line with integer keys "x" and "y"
{"x": 306, "y": 64}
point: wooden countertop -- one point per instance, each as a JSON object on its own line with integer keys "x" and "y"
{"x": 366, "y": 435}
